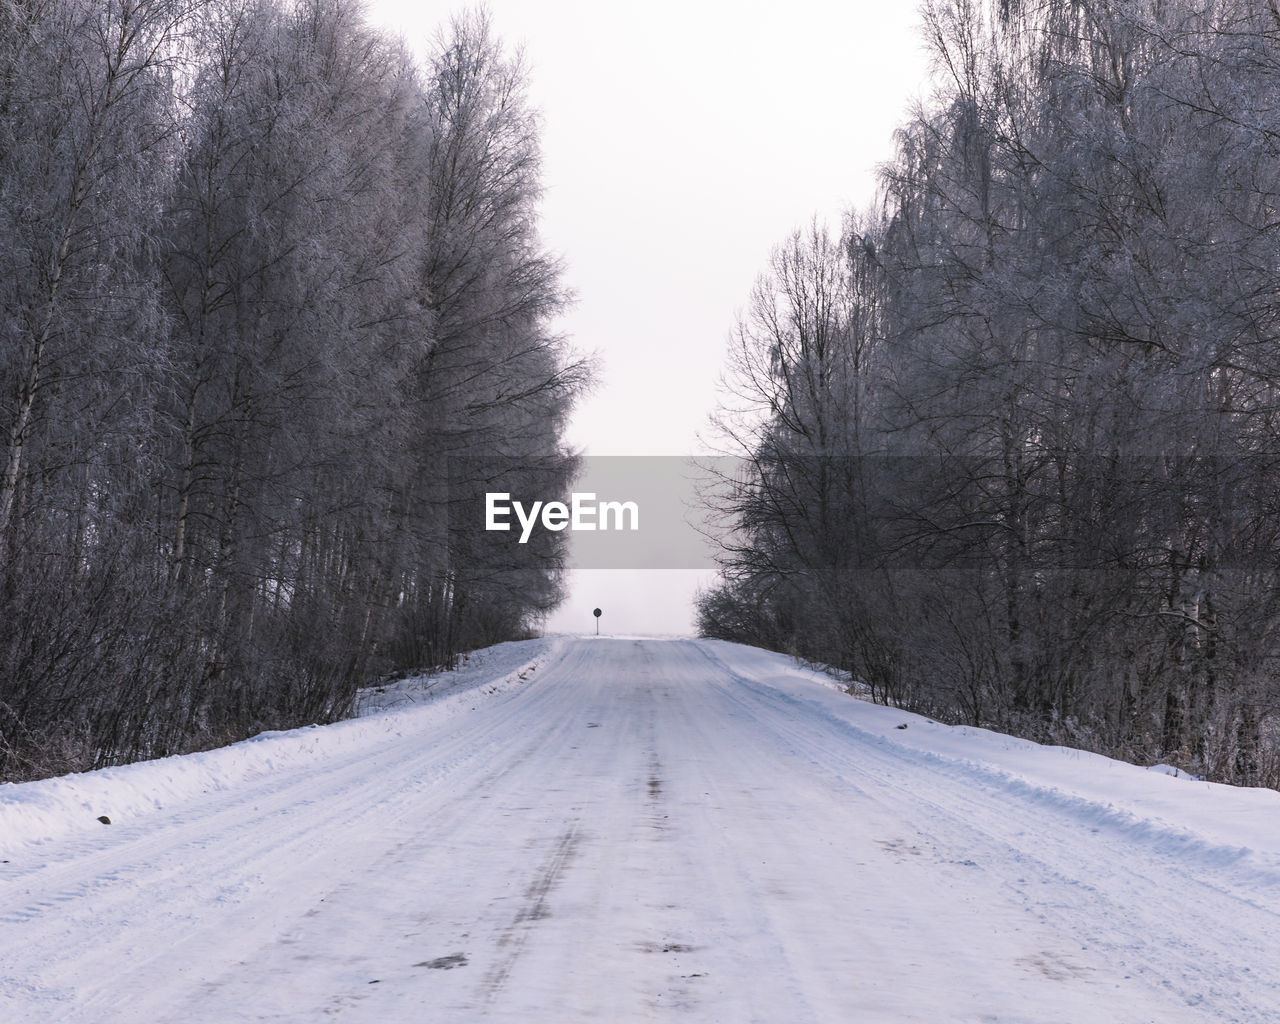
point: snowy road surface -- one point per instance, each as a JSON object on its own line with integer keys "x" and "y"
{"x": 626, "y": 830}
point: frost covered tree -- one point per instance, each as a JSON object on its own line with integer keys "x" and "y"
{"x": 492, "y": 394}
{"x": 86, "y": 136}
{"x": 268, "y": 283}
{"x": 1072, "y": 388}
{"x": 289, "y": 275}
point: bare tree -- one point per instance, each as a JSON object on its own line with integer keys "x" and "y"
{"x": 268, "y": 277}
{"x": 1073, "y": 383}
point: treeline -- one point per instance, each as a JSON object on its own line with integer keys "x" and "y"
{"x": 1013, "y": 438}
{"x": 267, "y": 286}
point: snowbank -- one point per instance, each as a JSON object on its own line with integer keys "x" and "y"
{"x": 37, "y": 812}
{"x": 1163, "y": 808}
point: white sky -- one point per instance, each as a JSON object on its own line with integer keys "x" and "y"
{"x": 681, "y": 142}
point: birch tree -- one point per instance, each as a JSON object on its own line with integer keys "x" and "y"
{"x": 1075, "y": 384}
{"x": 86, "y": 129}
{"x": 268, "y": 277}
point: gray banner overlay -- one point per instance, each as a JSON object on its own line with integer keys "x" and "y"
{"x": 648, "y": 512}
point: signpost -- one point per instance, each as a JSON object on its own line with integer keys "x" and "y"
{"x": 597, "y": 613}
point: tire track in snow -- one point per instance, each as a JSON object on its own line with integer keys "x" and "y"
{"x": 636, "y": 833}
{"x": 516, "y": 935}
{"x": 248, "y": 840}
{"x": 1180, "y": 929}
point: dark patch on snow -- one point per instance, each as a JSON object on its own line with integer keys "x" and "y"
{"x": 665, "y": 947}
{"x": 445, "y": 963}
{"x": 104, "y": 819}
{"x": 1055, "y": 967}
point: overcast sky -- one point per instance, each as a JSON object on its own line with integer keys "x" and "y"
{"x": 681, "y": 141}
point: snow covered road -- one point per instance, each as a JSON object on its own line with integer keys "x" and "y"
{"x": 622, "y": 829}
